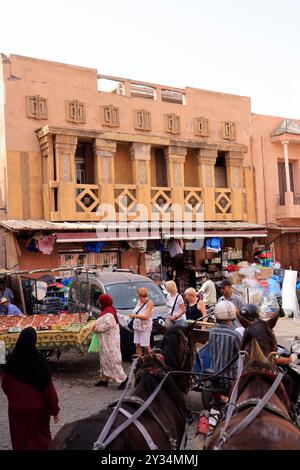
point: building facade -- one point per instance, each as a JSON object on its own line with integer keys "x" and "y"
{"x": 276, "y": 160}
{"x": 82, "y": 153}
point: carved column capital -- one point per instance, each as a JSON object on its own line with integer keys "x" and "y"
{"x": 140, "y": 151}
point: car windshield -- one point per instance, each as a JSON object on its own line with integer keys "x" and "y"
{"x": 125, "y": 296}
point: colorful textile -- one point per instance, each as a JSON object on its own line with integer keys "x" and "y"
{"x": 213, "y": 244}
{"x": 32, "y": 246}
{"x": 93, "y": 247}
{"x": 109, "y": 348}
{"x": 175, "y": 249}
{"x": 46, "y": 244}
{"x": 106, "y": 303}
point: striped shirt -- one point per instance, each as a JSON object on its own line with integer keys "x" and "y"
{"x": 224, "y": 344}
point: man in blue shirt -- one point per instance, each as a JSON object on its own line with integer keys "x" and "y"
{"x": 10, "y": 309}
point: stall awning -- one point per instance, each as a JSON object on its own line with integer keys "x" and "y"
{"x": 73, "y": 232}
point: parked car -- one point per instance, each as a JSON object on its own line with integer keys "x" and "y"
{"x": 121, "y": 285}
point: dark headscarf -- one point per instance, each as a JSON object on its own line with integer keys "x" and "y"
{"x": 106, "y": 303}
{"x": 26, "y": 364}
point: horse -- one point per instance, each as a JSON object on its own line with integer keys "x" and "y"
{"x": 164, "y": 419}
{"x": 272, "y": 428}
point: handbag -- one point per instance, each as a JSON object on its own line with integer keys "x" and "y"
{"x": 168, "y": 323}
{"x": 94, "y": 346}
{"x": 130, "y": 324}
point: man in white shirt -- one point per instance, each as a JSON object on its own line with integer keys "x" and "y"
{"x": 208, "y": 291}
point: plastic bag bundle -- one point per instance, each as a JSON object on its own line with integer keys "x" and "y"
{"x": 269, "y": 306}
{"x": 274, "y": 286}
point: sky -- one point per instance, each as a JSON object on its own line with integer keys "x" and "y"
{"x": 244, "y": 47}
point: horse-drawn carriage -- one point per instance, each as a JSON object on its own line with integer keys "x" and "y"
{"x": 155, "y": 415}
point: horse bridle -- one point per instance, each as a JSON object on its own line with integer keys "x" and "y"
{"x": 259, "y": 406}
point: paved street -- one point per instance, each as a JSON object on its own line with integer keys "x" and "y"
{"x": 79, "y": 398}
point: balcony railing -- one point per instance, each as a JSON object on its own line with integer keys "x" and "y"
{"x": 223, "y": 201}
{"x": 87, "y": 197}
{"x": 80, "y": 202}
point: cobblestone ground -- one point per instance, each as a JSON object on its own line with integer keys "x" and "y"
{"x": 74, "y": 381}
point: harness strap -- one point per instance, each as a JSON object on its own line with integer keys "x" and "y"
{"x": 134, "y": 399}
{"x": 268, "y": 406}
{"x": 142, "y": 430}
{"x": 252, "y": 415}
{"x": 99, "y": 443}
{"x": 233, "y": 396}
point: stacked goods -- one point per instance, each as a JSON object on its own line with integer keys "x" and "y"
{"x": 42, "y": 322}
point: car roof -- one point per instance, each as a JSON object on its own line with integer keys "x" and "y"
{"x": 108, "y": 277}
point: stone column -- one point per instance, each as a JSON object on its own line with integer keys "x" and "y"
{"x": 206, "y": 160}
{"x": 49, "y": 185}
{"x": 104, "y": 151}
{"x": 235, "y": 178}
{"x": 175, "y": 157}
{"x": 286, "y": 165}
{"x": 65, "y": 148}
{"x": 140, "y": 157}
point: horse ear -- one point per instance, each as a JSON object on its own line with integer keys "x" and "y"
{"x": 243, "y": 321}
{"x": 272, "y": 321}
{"x": 256, "y": 354}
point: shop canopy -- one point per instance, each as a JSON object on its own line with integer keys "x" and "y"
{"x": 72, "y": 232}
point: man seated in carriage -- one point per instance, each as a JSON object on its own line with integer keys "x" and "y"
{"x": 224, "y": 344}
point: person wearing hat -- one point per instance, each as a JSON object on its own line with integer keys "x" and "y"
{"x": 10, "y": 309}
{"x": 208, "y": 291}
{"x": 224, "y": 343}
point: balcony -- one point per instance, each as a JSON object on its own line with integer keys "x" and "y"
{"x": 288, "y": 207}
{"x": 81, "y": 202}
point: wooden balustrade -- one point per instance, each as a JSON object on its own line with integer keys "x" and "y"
{"x": 80, "y": 202}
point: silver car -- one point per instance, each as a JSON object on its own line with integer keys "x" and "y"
{"x": 121, "y": 286}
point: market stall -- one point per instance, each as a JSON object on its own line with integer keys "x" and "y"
{"x": 54, "y": 332}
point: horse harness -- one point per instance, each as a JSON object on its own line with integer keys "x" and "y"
{"x": 258, "y": 404}
{"x": 135, "y": 400}
{"x": 104, "y": 440}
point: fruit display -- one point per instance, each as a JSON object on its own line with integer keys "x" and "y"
{"x": 42, "y": 322}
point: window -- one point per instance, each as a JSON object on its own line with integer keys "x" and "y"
{"x": 171, "y": 96}
{"x": 142, "y": 120}
{"x": 75, "y": 111}
{"x": 84, "y": 292}
{"x": 201, "y": 126}
{"x": 228, "y": 130}
{"x": 172, "y": 123}
{"x": 161, "y": 168}
{"x": 110, "y": 116}
{"x": 95, "y": 292}
{"x": 37, "y": 107}
{"x": 142, "y": 91}
{"x": 220, "y": 171}
{"x": 125, "y": 295}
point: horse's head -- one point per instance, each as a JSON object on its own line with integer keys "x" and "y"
{"x": 178, "y": 351}
{"x": 259, "y": 340}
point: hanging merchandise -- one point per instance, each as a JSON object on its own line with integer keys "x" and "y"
{"x": 139, "y": 245}
{"x": 93, "y": 247}
{"x": 33, "y": 246}
{"x": 213, "y": 244}
{"x": 46, "y": 244}
{"x": 175, "y": 249}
